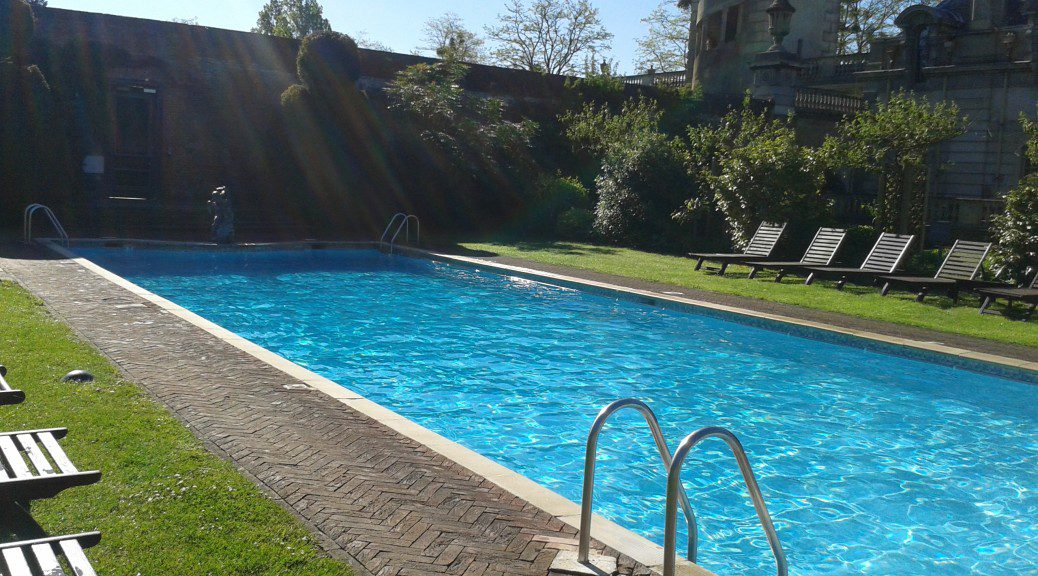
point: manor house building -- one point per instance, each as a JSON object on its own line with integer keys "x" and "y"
{"x": 978, "y": 53}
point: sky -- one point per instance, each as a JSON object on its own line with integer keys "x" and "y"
{"x": 395, "y": 23}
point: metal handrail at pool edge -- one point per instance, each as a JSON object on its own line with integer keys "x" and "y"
{"x": 30, "y": 211}
{"x": 674, "y": 488}
{"x": 404, "y": 221}
{"x": 590, "y": 459}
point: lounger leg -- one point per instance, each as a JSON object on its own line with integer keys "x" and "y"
{"x": 987, "y": 304}
{"x": 781, "y": 274}
{"x": 921, "y": 295}
{"x": 953, "y": 293}
{"x": 724, "y": 268}
{"x": 885, "y": 290}
{"x": 841, "y": 283}
{"x": 753, "y": 273}
{"x": 699, "y": 265}
{"x": 810, "y": 279}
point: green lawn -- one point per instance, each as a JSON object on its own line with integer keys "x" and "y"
{"x": 937, "y": 313}
{"x": 164, "y": 505}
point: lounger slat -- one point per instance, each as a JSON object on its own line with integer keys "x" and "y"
{"x": 43, "y": 467}
{"x": 76, "y": 558}
{"x": 17, "y": 564}
{"x": 56, "y": 453}
{"x": 824, "y": 247}
{"x": 964, "y": 260}
{"x": 48, "y": 562}
{"x": 764, "y": 241}
{"x": 13, "y": 457}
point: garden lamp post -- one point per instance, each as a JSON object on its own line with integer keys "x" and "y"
{"x": 780, "y": 14}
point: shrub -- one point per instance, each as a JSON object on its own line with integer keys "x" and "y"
{"x": 859, "y": 241}
{"x": 754, "y": 170}
{"x": 474, "y": 163}
{"x": 295, "y": 95}
{"x": 893, "y": 140}
{"x": 551, "y": 197}
{"x": 642, "y": 184}
{"x": 1015, "y": 232}
{"x": 575, "y": 224}
{"x": 328, "y": 63}
{"x": 642, "y": 181}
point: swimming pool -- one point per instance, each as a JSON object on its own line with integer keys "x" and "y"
{"x": 870, "y": 463}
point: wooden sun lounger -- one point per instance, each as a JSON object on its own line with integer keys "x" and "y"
{"x": 34, "y": 466}
{"x": 1027, "y": 295}
{"x": 761, "y": 246}
{"x": 821, "y": 252}
{"x": 884, "y": 259}
{"x": 959, "y": 269}
{"x": 56, "y": 556}
{"x": 9, "y": 395}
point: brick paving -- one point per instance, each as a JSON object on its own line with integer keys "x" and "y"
{"x": 388, "y": 505}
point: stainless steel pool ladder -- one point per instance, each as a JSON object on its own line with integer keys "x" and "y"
{"x": 675, "y": 490}
{"x": 403, "y": 224}
{"x": 31, "y": 211}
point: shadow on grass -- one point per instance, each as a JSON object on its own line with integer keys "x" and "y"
{"x": 545, "y": 246}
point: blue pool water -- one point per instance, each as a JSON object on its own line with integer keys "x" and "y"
{"x": 871, "y": 464}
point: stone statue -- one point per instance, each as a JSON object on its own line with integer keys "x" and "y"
{"x": 222, "y": 226}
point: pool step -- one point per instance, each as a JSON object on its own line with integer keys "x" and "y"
{"x": 566, "y": 564}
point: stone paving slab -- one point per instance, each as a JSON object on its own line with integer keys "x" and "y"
{"x": 387, "y": 504}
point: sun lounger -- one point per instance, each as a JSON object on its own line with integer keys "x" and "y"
{"x": 9, "y": 395}
{"x": 884, "y": 259}
{"x": 34, "y": 466}
{"x": 760, "y": 247}
{"x": 55, "y": 556}
{"x": 960, "y": 268}
{"x": 821, "y": 252}
{"x": 1027, "y": 295}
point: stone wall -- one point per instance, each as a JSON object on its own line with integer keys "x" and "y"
{"x": 212, "y": 98}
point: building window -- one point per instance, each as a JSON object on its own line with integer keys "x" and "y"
{"x": 714, "y": 24}
{"x": 731, "y": 26}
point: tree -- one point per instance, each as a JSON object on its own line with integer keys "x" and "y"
{"x": 292, "y": 19}
{"x": 642, "y": 181}
{"x": 1015, "y": 231}
{"x": 369, "y": 43}
{"x": 471, "y": 162}
{"x": 894, "y": 140}
{"x": 548, "y": 36}
{"x": 665, "y": 46}
{"x": 862, "y": 21}
{"x": 447, "y": 38}
{"x": 38, "y": 3}
{"x": 753, "y": 170}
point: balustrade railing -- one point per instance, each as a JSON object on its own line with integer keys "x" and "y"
{"x": 814, "y": 100}
{"x": 658, "y": 79}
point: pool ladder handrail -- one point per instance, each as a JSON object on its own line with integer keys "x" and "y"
{"x": 590, "y": 460}
{"x": 402, "y": 222}
{"x": 675, "y": 487}
{"x": 31, "y": 211}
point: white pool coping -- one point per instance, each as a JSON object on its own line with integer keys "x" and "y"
{"x": 624, "y": 541}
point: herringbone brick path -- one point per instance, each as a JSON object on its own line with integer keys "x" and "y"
{"x": 390, "y": 505}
